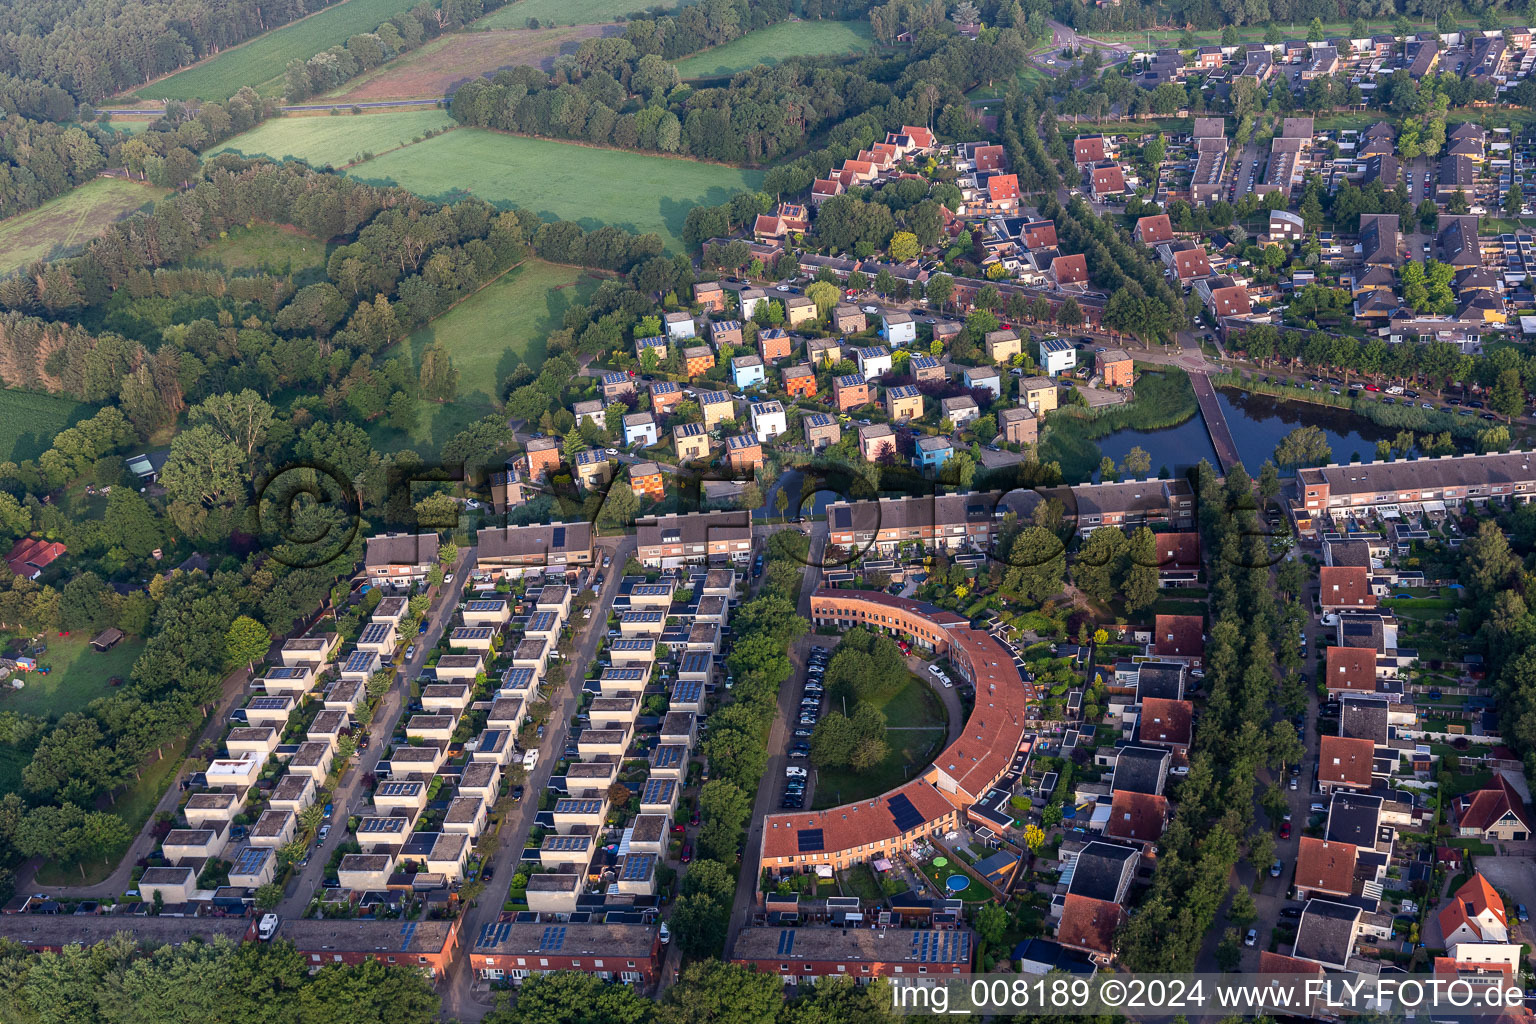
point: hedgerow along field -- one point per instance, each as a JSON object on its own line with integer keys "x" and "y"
{"x": 64, "y": 224}
{"x": 776, "y": 42}
{"x": 570, "y": 12}
{"x": 262, "y": 62}
{"x": 29, "y": 421}
{"x": 333, "y": 141}
{"x": 561, "y": 180}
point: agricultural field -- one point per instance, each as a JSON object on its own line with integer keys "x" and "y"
{"x": 438, "y": 68}
{"x": 776, "y": 42}
{"x": 335, "y": 141}
{"x": 261, "y": 62}
{"x": 265, "y": 247}
{"x": 29, "y": 421}
{"x": 570, "y": 12}
{"x": 63, "y": 225}
{"x": 585, "y": 184}
{"x": 78, "y": 674}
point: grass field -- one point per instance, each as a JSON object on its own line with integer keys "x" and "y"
{"x": 78, "y": 676}
{"x": 334, "y": 141}
{"x": 911, "y": 751}
{"x": 29, "y": 421}
{"x": 488, "y": 334}
{"x": 63, "y": 225}
{"x": 913, "y": 705}
{"x": 561, "y": 180}
{"x": 265, "y": 247}
{"x": 438, "y": 68}
{"x": 262, "y": 62}
{"x": 772, "y": 44}
{"x": 569, "y": 12}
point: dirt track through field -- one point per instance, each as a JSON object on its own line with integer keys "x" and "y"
{"x": 443, "y": 65}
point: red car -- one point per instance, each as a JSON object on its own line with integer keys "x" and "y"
{"x": 694, "y": 819}
{"x": 1285, "y": 830}
{"x": 677, "y": 828}
{"x": 1372, "y": 387}
{"x": 687, "y": 852}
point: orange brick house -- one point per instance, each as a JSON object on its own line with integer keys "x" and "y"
{"x": 800, "y": 381}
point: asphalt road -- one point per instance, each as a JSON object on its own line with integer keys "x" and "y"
{"x": 461, "y": 1001}
{"x": 349, "y": 798}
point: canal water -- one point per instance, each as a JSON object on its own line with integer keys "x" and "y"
{"x": 1258, "y": 424}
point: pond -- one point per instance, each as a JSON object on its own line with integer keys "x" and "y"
{"x": 1258, "y": 424}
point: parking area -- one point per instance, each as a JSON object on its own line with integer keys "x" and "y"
{"x": 813, "y": 698}
{"x": 1515, "y": 877}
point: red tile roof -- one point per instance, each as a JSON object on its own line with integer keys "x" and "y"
{"x": 849, "y": 826}
{"x": 1470, "y": 902}
{"x": 1003, "y": 187}
{"x": 1179, "y": 636}
{"x": 1178, "y": 551}
{"x": 1483, "y": 808}
{"x": 921, "y": 137}
{"x": 1231, "y": 301}
{"x": 1108, "y": 180}
{"x": 1039, "y": 234}
{"x": 1279, "y": 963}
{"x": 1070, "y": 269}
{"x": 1345, "y": 586}
{"x": 1326, "y": 867}
{"x": 1137, "y": 816}
{"x": 1166, "y": 722}
{"x": 1189, "y": 264}
{"x": 988, "y": 158}
{"x": 1346, "y": 761}
{"x": 1089, "y": 924}
{"x": 1154, "y": 229}
{"x": 1088, "y": 149}
{"x": 30, "y": 556}
{"x": 1352, "y": 669}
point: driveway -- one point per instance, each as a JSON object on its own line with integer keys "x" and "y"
{"x": 1515, "y": 878}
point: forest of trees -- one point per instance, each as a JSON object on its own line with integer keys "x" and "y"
{"x": 92, "y": 50}
{"x": 622, "y": 97}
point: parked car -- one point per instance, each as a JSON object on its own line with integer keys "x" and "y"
{"x": 1276, "y": 868}
{"x": 1251, "y": 938}
{"x": 688, "y": 855}
{"x": 1291, "y": 912}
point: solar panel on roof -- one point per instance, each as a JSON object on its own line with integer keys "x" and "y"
{"x": 786, "y": 942}
{"x": 842, "y": 517}
{"x": 559, "y": 536}
{"x": 810, "y": 840}
{"x": 903, "y": 813}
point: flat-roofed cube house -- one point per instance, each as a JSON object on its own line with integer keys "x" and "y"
{"x": 260, "y": 741}
{"x": 613, "y": 712}
{"x": 1003, "y": 345}
{"x": 876, "y": 441}
{"x": 904, "y": 402}
{"x": 251, "y": 867}
{"x": 293, "y": 680}
{"x": 592, "y": 468}
{"x": 959, "y": 410}
{"x": 616, "y": 385}
{"x": 205, "y": 809}
{"x": 849, "y": 319}
{"x": 679, "y": 325}
{"x": 821, "y": 430}
{"x": 744, "y": 452}
{"x": 642, "y": 622}
{"x": 898, "y": 328}
{"x": 313, "y": 651}
{"x": 709, "y": 295}
{"x": 659, "y": 796}
{"x": 636, "y": 873}
{"x": 768, "y": 420}
{"x": 665, "y": 396}
{"x": 269, "y": 710}
{"x": 1039, "y": 394}
{"x": 773, "y": 343}
{"x": 1057, "y": 355}
{"x": 622, "y": 681}
{"x": 466, "y": 815}
{"x": 506, "y": 713}
{"x": 494, "y": 746}
{"x": 679, "y": 727}
{"x": 668, "y": 761}
{"x": 464, "y": 667}
{"x": 362, "y": 871}
{"x": 873, "y": 361}
{"x": 522, "y": 683}
{"x": 593, "y": 412}
{"x": 294, "y": 792}
{"x": 925, "y": 368}
{"x": 481, "y": 779}
{"x": 275, "y": 828}
{"x": 648, "y": 833}
{"x": 555, "y": 598}
{"x": 823, "y": 352}
{"x": 799, "y": 381}
{"x": 716, "y": 407}
{"x": 590, "y": 779}
{"x": 748, "y": 371}
{"x": 635, "y": 652}
{"x": 568, "y": 853}
{"x": 645, "y": 480}
{"x": 313, "y": 758}
{"x": 407, "y": 797}
{"x": 360, "y": 665}
{"x": 851, "y": 391}
{"x": 182, "y": 845}
{"x": 345, "y": 695}
{"x": 1019, "y": 426}
{"x": 431, "y": 728}
{"x": 487, "y": 611}
{"x": 573, "y": 814}
{"x": 595, "y": 744}
{"x": 237, "y": 773}
{"x": 377, "y": 834}
{"x": 532, "y": 653}
{"x": 1115, "y": 367}
{"x": 543, "y": 457}
{"x": 691, "y": 441}
{"x": 799, "y": 310}
{"x": 726, "y": 333}
{"x": 327, "y": 727}
{"x": 640, "y": 428}
{"x": 703, "y": 636}
{"x": 697, "y": 361}
{"x": 555, "y": 893}
{"x": 471, "y": 638}
{"x": 172, "y": 885}
{"x": 544, "y": 626}
{"x": 409, "y": 764}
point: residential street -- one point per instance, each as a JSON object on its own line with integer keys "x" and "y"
{"x": 462, "y": 1000}
{"x": 349, "y": 798}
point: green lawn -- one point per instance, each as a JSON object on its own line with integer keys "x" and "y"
{"x": 912, "y": 750}
{"x": 262, "y": 62}
{"x": 29, "y": 421}
{"x": 488, "y": 334}
{"x": 78, "y": 676}
{"x": 772, "y": 44}
{"x": 334, "y": 141}
{"x": 569, "y": 12}
{"x": 914, "y": 704}
{"x": 63, "y": 225}
{"x": 265, "y": 247}
{"x": 560, "y": 180}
